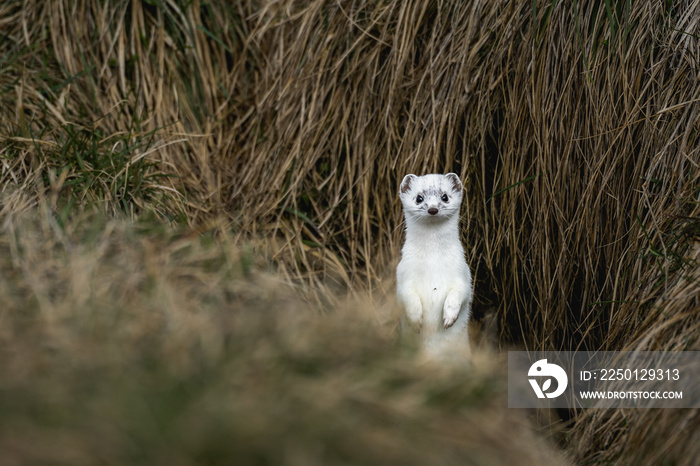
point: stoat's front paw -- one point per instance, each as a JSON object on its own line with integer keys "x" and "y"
{"x": 415, "y": 316}
{"x": 450, "y": 312}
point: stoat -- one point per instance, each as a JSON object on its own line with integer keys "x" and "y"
{"x": 434, "y": 283}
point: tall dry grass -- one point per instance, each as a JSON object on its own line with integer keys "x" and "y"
{"x": 594, "y": 133}
{"x": 291, "y": 123}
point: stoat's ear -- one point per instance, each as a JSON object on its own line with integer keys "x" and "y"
{"x": 455, "y": 181}
{"x": 406, "y": 184}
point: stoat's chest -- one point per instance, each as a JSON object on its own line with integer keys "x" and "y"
{"x": 431, "y": 277}
{"x": 432, "y": 272}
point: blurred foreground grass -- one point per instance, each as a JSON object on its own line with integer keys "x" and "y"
{"x": 132, "y": 343}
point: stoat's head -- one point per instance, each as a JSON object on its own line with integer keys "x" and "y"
{"x": 431, "y": 198}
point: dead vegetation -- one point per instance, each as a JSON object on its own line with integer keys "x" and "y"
{"x": 128, "y": 343}
{"x": 290, "y": 124}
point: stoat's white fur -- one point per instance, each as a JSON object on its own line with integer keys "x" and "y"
{"x": 433, "y": 280}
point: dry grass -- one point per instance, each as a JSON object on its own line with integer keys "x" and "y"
{"x": 132, "y": 344}
{"x": 290, "y": 124}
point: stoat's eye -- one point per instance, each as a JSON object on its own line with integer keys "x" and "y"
{"x": 445, "y": 198}
{"x": 419, "y": 199}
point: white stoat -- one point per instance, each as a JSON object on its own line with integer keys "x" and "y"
{"x": 433, "y": 281}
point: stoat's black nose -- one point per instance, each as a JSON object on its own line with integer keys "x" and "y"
{"x": 433, "y": 211}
